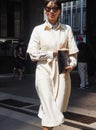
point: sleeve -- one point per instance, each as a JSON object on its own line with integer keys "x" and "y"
{"x": 71, "y": 42}
{"x": 34, "y": 49}
{"x": 73, "y": 60}
{"x": 73, "y": 49}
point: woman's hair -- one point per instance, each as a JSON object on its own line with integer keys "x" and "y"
{"x": 55, "y": 1}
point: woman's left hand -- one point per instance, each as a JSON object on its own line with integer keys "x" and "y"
{"x": 69, "y": 68}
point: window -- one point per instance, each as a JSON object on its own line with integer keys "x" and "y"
{"x": 10, "y": 19}
{"x": 17, "y": 15}
{"x": 66, "y": 19}
{"x": 74, "y": 3}
{"x": 76, "y": 21}
{"x": 84, "y": 20}
{"x": 3, "y": 20}
{"x": 84, "y": 2}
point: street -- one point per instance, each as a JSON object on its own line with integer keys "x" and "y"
{"x": 19, "y": 105}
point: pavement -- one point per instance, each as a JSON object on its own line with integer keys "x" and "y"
{"x": 19, "y": 105}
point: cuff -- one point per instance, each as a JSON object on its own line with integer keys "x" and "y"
{"x": 50, "y": 54}
{"x": 73, "y": 61}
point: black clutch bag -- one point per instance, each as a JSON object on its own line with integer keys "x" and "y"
{"x": 62, "y": 60}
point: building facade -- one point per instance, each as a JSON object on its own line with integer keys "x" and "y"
{"x": 74, "y": 14}
{"x": 18, "y": 18}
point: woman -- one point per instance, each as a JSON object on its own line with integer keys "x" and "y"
{"x": 53, "y": 88}
{"x": 20, "y": 57}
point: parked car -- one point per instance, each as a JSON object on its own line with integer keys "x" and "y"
{"x": 7, "y": 46}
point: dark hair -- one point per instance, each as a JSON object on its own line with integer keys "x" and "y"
{"x": 55, "y": 1}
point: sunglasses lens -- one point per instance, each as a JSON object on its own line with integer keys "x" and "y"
{"x": 47, "y": 9}
{"x": 54, "y": 9}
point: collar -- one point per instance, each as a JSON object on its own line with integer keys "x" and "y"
{"x": 57, "y": 26}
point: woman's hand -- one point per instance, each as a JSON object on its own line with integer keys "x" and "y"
{"x": 55, "y": 53}
{"x": 69, "y": 68}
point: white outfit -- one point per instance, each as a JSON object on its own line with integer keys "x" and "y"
{"x": 82, "y": 70}
{"x": 53, "y": 89}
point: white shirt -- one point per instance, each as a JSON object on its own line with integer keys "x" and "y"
{"x": 44, "y": 40}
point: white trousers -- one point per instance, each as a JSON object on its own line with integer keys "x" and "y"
{"x": 82, "y": 70}
{"x": 52, "y": 101}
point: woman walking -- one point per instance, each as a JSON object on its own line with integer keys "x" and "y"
{"x": 53, "y": 88}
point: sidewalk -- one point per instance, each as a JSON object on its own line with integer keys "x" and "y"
{"x": 19, "y": 103}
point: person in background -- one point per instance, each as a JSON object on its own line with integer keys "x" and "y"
{"x": 53, "y": 88}
{"x": 20, "y": 58}
{"x": 82, "y": 63}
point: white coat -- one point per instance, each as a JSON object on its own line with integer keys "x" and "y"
{"x": 53, "y": 89}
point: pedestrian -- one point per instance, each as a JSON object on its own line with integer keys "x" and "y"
{"x": 53, "y": 88}
{"x": 19, "y": 58}
{"x": 82, "y": 63}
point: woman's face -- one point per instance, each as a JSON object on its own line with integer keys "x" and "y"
{"x": 53, "y": 12}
